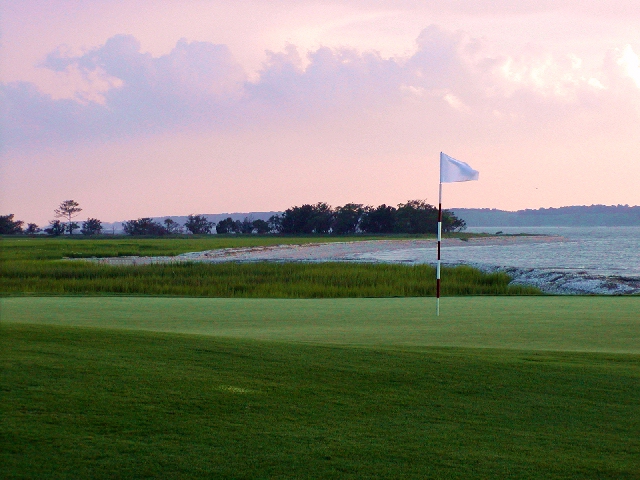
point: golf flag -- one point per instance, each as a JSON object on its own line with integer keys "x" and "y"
{"x": 452, "y": 170}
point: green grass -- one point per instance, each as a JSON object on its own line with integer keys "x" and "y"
{"x": 147, "y": 387}
{"x": 78, "y": 246}
{"x": 97, "y": 403}
{"x": 560, "y": 323}
{"x": 254, "y": 280}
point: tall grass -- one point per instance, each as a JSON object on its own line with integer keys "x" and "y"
{"x": 250, "y": 280}
{"x": 31, "y": 265}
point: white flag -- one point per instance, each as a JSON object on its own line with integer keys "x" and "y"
{"x": 452, "y": 170}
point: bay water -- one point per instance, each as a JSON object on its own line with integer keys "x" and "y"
{"x": 610, "y": 251}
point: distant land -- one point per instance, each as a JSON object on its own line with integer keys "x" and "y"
{"x": 181, "y": 219}
{"x": 575, "y": 216}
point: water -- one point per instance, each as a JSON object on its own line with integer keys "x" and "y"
{"x": 595, "y": 250}
{"x": 599, "y": 251}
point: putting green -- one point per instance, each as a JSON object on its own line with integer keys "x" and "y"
{"x": 589, "y": 324}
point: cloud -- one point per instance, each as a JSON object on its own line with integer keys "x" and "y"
{"x": 338, "y": 79}
{"x": 190, "y": 71}
{"x": 129, "y": 92}
{"x": 133, "y": 93}
{"x": 31, "y": 117}
{"x": 629, "y": 61}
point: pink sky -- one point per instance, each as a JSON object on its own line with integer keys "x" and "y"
{"x": 169, "y": 108}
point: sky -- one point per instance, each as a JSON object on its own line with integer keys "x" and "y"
{"x": 152, "y": 108}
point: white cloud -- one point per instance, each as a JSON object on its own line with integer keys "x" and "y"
{"x": 413, "y": 91}
{"x": 630, "y": 62}
{"x": 563, "y": 78}
{"x": 595, "y": 83}
{"x": 456, "y": 103}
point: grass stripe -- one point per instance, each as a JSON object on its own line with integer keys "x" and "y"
{"x": 597, "y": 324}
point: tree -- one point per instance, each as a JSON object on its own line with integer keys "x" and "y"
{"x": 172, "y": 227}
{"x": 378, "y": 220}
{"x": 226, "y": 226}
{"x": 69, "y": 209}
{"x": 32, "y": 229}
{"x": 92, "y": 226}
{"x": 246, "y": 226}
{"x": 198, "y": 224}
{"x": 143, "y": 226}
{"x": 261, "y": 227}
{"x": 9, "y": 226}
{"x": 416, "y": 216}
{"x": 297, "y": 220}
{"x": 323, "y": 216}
{"x": 275, "y": 223}
{"x": 71, "y": 226}
{"x": 307, "y": 219}
{"x": 451, "y": 223}
{"x": 56, "y": 228}
{"x": 347, "y": 218}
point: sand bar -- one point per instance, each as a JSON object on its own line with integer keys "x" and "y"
{"x": 360, "y": 251}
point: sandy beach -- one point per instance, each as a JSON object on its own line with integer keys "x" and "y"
{"x": 362, "y": 251}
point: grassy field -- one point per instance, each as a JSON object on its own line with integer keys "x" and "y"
{"x": 36, "y": 266}
{"x": 79, "y": 246}
{"x": 14, "y": 247}
{"x": 174, "y": 386}
{"x": 347, "y": 388}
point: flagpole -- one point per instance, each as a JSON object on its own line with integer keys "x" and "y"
{"x": 439, "y": 241}
{"x": 453, "y": 171}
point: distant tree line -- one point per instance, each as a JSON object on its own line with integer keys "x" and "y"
{"x": 195, "y": 224}
{"x": 413, "y": 217}
{"x": 573, "y": 216}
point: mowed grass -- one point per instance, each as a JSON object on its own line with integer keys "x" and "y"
{"x": 99, "y": 403}
{"x": 250, "y": 280}
{"x": 560, "y": 323}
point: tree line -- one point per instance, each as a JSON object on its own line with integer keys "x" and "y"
{"x": 413, "y": 217}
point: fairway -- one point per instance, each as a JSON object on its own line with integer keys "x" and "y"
{"x": 588, "y": 324}
{"x": 158, "y": 387}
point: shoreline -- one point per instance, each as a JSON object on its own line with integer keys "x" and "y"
{"x": 551, "y": 281}
{"x": 331, "y": 251}
{"x": 565, "y": 282}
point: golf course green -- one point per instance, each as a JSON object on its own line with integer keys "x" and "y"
{"x": 559, "y": 323}
{"x": 146, "y": 387}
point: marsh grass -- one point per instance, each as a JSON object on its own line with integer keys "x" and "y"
{"x": 250, "y": 280}
{"x": 34, "y": 265}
